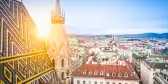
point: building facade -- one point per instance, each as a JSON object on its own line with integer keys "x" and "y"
{"x": 146, "y": 73}
{"x": 148, "y": 70}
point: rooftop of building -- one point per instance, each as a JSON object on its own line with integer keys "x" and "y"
{"x": 73, "y": 40}
{"x": 156, "y": 64}
{"x": 155, "y": 60}
{"x": 165, "y": 57}
{"x": 120, "y": 72}
{"x": 139, "y": 56}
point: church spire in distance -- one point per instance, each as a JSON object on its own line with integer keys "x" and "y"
{"x": 58, "y": 16}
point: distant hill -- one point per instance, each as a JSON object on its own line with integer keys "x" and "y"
{"x": 143, "y": 35}
{"x": 85, "y": 35}
{"x": 165, "y": 34}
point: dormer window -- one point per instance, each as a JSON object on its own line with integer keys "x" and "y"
{"x": 90, "y": 72}
{"x": 113, "y": 74}
{"x": 119, "y": 75}
{"x": 101, "y": 73}
{"x": 95, "y": 73}
{"x": 107, "y": 74}
{"x": 84, "y": 72}
{"x": 126, "y": 74}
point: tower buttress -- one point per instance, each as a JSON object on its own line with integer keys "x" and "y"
{"x": 59, "y": 41}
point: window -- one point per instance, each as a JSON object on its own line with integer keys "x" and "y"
{"x": 62, "y": 75}
{"x": 126, "y": 74}
{"x": 53, "y": 62}
{"x": 107, "y": 74}
{"x": 119, "y": 74}
{"x": 90, "y": 72}
{"x": 89, "y": 82}
{"x": 101, "y": 73}
{"x": 164, "y": 76}
{"x": 107, "y": 83}
{"x": 84, "y": 72}
{"x": 78, "y": 82}
{"x": 84, "y": 82}
{"x": 113, "y": 74}
{"x": 62, "y": 63}
{"x": 95, "y": 82}
{"x": 95, "y": 73}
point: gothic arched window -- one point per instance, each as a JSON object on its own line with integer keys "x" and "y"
{"x": 62, "y": 75}
{"x": 62, "y": 63}
{"x": 53, "y": 62}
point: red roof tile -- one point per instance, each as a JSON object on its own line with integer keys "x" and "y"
{"x": 90, "y": 70}
{"x": 123, "y": 47}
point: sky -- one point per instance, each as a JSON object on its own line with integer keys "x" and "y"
{"x": 103, "y": 16}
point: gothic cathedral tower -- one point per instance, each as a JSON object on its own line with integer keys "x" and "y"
{"x": 58, "y": 47}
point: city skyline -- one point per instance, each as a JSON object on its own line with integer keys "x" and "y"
{"x": 97, "y": 42}
{"x": 104, "y": 17}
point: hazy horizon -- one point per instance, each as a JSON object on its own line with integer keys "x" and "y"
{"x": 121, "y": 34}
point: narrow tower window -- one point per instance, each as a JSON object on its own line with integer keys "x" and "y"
{"x": 62, "y": 75}
{"x": 62, "y": 63}
{"x": 53, "y": 62}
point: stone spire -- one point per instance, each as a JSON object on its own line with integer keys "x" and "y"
{"x": 58, "y": 39}
{"x": 58, "y": 32}
{"x": 57, "y": 8}
{"x": 58, "y": 16}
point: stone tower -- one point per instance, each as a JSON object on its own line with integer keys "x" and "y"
{"x": 58, "y": 47}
